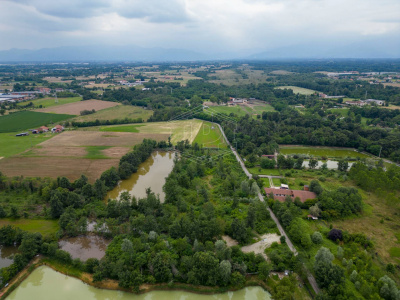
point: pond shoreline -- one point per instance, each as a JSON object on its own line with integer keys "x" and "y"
{"x": 110, "y": 284}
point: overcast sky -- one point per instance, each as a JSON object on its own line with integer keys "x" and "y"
{"x": 208, "y": 26}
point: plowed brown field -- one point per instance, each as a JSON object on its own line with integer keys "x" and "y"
{"x": 76, "y": 107}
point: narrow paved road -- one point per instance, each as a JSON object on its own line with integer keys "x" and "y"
{"x": 310, "y": 277}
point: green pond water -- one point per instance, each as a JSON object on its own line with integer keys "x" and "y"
{"x": 150, "y": 174}
{"x": 46, "y": 284}
{"x": 321, "y": 151}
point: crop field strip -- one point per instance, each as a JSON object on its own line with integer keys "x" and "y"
{"x": 50, "y": 101}
{"x": 73, "y": 153}
{"x": 76, "y": 107}
{"x": 117, "y": 112}
{"x": 24, "y": 120}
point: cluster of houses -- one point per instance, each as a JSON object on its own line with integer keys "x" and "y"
{"x": 42, "y": 129}
{"x": 26, "y": 95}
{"x": 127, "y": 83}
{"x": 233, "y": 101}
{"x": 366, "y": 102}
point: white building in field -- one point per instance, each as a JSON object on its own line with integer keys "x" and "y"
{"x": 373, "y": 101}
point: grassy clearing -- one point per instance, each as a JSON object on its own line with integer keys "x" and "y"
{"x": 50, "y": 101}
{"x": 260, "y": 171}
{"x": 341, "y": 111}
{"x": 95, "y": 152}
{"x": 297, "y": 90}
{"x": 276, "y": 181}
{"x": 237, "y": 110}
{"x": 394, "y": 252}
{"x": 261, "y": 108}
{"x": 117, "y": 112}
{"x": 129, "y": 128}
{"x": 43, "y": 226}
{"x": 12, "y": 145}
{"x": 180, "y": 130}
{"x": 322, "y": 151}
{"x": 28, "y": 119}
{"x": 210, "y": 136}
{"x": 265, "y": 182}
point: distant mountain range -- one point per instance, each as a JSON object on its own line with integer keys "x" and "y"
{"x": 99, "y": 53}
{"x": 386, "y": 49}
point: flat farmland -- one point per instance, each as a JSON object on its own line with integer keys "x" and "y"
{"x": 117, "y": 112}
{"x": 53, "y": 167}
{"x": 297, "y": 90}
{"x": 178, "y": 130}
{"x": 11, "y": 145}
{"x": 79, "y": 138}
{"x": 51, "y": 101}
{"x": 73, "y": 153}
{"x": 76, "y": 107}
{"x": 25, "y": 120}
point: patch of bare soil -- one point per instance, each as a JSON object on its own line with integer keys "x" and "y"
{"x": 229, "y": 241}
{"x": 116, "y": 152}
{"x": 265, "y": 242}
{"x": 53, "y": 167}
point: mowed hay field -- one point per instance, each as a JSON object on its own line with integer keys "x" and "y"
{"x": 209, "y": 136}
{"x": 25, "y": 120}
{"x": 76, "y": 107}
{"x": 179, "y": 130}
{"x": 117, "y": 112}
{"x": 73, "y": 153}
{"x": 297, "y": 90}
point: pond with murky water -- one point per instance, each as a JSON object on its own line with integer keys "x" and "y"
{"x": 7, "y": 255}
{"x": 150, "y": 174}
{"x": 331, "y": 164}
{"x": 46, "y": 284}
{"x": 85, "y": 247}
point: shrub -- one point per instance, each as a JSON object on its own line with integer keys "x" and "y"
{"x": 335, "y": 234}
{"x": 316, "y": 238}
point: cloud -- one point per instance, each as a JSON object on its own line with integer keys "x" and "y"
{"x": 158, "y": 11}
{"x": 201, "y": 25}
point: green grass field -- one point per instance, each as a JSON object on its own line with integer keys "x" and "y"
{"x": 25, "y": 120}
{"x": 50, "y": 101}
{"x": 210, "y": 136}
{"x": 321, "y": 151}
{"x": 11, "y": 144}
{"x": 95, "y": 152}
{"x": 43, "y": 226}
{"x": 242, "y": 110}
{"x": 297, "y": 90}
{"x": 237, "y": 110}
{"x": 117, "y": 112}
{"x": 260, "y": 171}
{"x": 123, "y": 128}
{"x": 261, "y": 108}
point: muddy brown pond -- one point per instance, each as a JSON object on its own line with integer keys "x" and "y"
{"x": 150, "y": 174}
{"x": 85, "y": 247}
{"x": 7, "y": 255}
